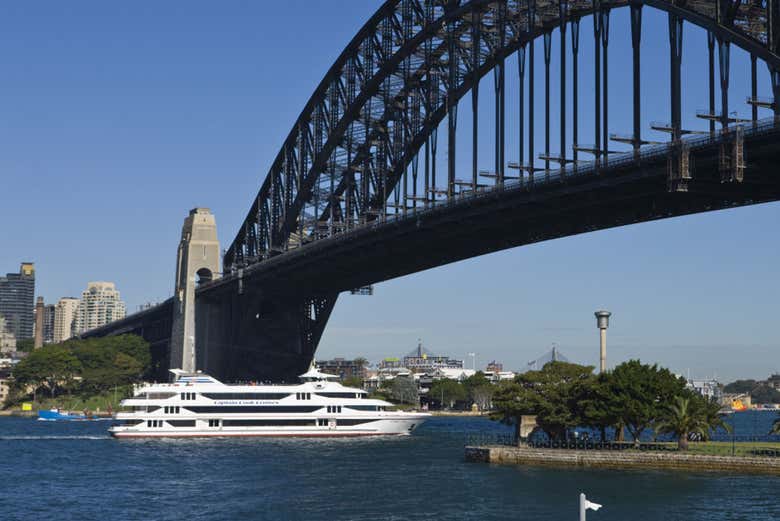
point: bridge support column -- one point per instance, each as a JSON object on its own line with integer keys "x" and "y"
{"x": 197, "y": 261}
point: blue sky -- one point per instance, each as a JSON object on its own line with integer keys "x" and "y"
{"x": 119, "y": 118}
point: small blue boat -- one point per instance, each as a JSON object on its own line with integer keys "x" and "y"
{"x": 56, "y": 415}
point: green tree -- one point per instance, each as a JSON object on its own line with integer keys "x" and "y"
{"x": 26, "y": 345}
{"x": 479, "y": 390}
{"x": 710, "y": 415}
{"x": 776, "y": 427}
{"x": 52, "y": 367}
{"x": 600, "y": 407}
{"x": 447, "y": 392}
{"x": 740, "y": 386}
{"x": 765, "y": 394}
{"x": 641, "y": 392}
{"x": 552, "y": 394}
{"x": 681, "y": 419}
{"x": 404, "y": 389}
{"x": 511, "y": 401}
{"x": 352, "y": 381}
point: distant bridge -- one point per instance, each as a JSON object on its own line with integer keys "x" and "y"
{"x": 356, "y": 194}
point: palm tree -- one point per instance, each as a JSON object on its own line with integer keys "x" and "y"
{"x": 711, "y": 417}
{"x": 681, "y": 419}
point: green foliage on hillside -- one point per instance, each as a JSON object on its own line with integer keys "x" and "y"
{"x": 81, "y": 367}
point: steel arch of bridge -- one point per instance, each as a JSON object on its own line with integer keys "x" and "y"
{"x": 406, "y": 70}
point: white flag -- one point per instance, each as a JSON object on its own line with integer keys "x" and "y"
{"x": 591, "y": 505}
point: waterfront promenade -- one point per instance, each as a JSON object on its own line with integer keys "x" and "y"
{"x": 624, "y": 459}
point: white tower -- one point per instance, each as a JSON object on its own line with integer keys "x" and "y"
{"x": 196, "y": 262}
{"x": 602, "y": 322}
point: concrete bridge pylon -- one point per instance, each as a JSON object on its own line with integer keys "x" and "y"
{"x": 197, "y": 262}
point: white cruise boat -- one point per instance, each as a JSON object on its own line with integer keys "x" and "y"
{"x": 197, "y": 405}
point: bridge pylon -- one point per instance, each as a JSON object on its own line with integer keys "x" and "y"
{"x": 197, "y": 261}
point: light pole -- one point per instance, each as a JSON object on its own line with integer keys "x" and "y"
{"x": 602, "y": 322}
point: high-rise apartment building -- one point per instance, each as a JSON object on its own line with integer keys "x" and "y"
{"x": 17, "y": 292}
{"x": 100, "y": 304}
{"x": 64, "y": 317}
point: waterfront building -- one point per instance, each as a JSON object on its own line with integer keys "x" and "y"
{"x": 17, "y": 292}
{"x": 64, "y": 316}
{"x": 421, "y": 361}
{"x": 343, "y": 368}
{"x": 100, "y": 304}
{"x": 494, "y": 367}
{"x": 7, "y": 339}
{"x": 710, "y": 389}
{"x": 390, "y": 363}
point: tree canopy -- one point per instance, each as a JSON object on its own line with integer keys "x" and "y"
{"x": 635, "y": 396}
{"x": 86, "y": 367}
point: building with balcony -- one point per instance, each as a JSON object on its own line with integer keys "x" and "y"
{"x": 100, "y": 304}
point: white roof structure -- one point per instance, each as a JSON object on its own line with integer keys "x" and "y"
{"x": 314, "y": 374}
{"x": 452, "y": 373}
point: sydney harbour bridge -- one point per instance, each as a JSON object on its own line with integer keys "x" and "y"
{"x": 368, "y": 185}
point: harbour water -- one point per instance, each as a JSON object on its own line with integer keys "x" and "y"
{"x": 73, "y": 470}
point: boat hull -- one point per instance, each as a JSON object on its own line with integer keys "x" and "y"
{"x": 384, "y": 427}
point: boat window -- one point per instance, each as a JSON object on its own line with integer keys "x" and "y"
{"x": 130, "y": 423}
{"x": 363, "y": 407}
{"x": 152, "y": 408}
{"x": 268, "y": 423}
{"x": 160, "y": 396}
{"x": 338, "y": 395}
{"x": 181, "y": 423}
{"x": 246, "y": 396}
{"x": 352, "y": 422}
{"x": 208, "y": 409}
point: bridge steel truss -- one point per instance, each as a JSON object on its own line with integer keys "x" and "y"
{"x": 364, "y": 149}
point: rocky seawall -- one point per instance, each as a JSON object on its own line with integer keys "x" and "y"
{"x": 623, "y": 459}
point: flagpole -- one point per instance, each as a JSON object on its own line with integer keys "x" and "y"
{"x": 582, "y": 507}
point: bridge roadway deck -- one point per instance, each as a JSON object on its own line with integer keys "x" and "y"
{"x": 627, "y": 190}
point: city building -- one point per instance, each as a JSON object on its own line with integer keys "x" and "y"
{"x": 343, "y": 368}
{"x": 390, "y": 363}
{"x": 423, "y": 361}
{"x": 710, "y": 389}
{"x": 7, "y": 339}
{"x": 494, "y": 367}
{"x": 17, "y": 292}
{"x": 99, "y": 305}
{"x": 64, "y": 317}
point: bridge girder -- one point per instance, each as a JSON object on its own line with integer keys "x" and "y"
{"x": 401, "y": 75}
{"x": 346, "y": 162}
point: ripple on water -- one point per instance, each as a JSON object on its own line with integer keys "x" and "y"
{"x": 75, "y": 471}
